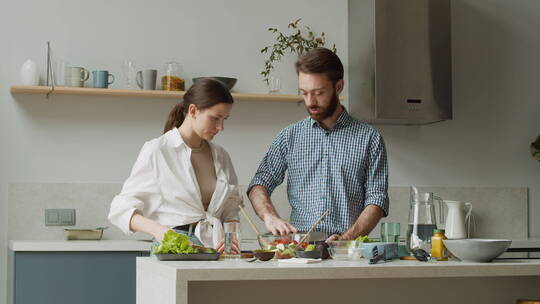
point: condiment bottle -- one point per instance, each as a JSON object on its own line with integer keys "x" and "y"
{"x": 438, "y": 250}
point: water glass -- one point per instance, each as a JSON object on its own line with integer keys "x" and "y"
{"x": 274, "y": 84}
{"x": 232, "y": 235}
{"x": 390, "y": 232}
{"x": 129, "y": 71}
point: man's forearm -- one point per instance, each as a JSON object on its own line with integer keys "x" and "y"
{"x": 367, "y": 220}
{"x": 260, "y": 200}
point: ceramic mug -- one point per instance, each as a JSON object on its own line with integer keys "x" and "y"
{"x": 101, "y": 79}
{"x": 76, "y": 76}
{"x": 146, "y": 79}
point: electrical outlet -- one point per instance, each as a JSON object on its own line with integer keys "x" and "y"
{"x": 59, "y": 217}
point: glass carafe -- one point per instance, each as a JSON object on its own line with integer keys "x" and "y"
{"x": 171, "y": 80}
{"x": 422, "y": 219}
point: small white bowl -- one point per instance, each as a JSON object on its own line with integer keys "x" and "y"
{"x": 477, "y": 250}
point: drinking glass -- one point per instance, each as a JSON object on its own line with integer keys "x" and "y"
{"x": 232, "y": 234}
{"x": 390, "y": 232}
{"x": 274, "y": 84}
{"x": 129, "y": 72}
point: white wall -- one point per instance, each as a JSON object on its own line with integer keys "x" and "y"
{"x": 496, "y": 50}
{"x": 90, "y": 139}
{"x": 66, "y": 139}
{"x": 496, "y": 104}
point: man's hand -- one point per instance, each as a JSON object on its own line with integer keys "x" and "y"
{"x": 260, "y": 199}
{"x": 278, "y": 226}
{"x": 333, "y": 237}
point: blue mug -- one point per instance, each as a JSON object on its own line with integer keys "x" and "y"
{"x": 101, "y": 79}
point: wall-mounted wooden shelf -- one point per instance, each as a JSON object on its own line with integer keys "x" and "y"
{"x": 142, "y": 93}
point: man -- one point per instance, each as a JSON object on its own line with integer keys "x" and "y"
{"x": 333, "y": 161}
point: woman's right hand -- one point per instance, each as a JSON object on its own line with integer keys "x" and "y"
{"x": 160, "y": 232}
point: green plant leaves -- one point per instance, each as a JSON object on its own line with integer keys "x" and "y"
{"x": 535, "y": 148}
{"x": 296, "y": 42}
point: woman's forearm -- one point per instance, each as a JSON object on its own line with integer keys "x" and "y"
{"x": 139, "y": 223}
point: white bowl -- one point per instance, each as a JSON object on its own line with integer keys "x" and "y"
{"x": 477, "y": 250}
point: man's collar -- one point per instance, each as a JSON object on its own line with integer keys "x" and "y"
{"x": 343, "y": 120}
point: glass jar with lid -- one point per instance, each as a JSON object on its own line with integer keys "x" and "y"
{"x": 171, "y": 80}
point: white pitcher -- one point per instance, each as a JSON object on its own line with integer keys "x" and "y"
{"x": 456, "y": 218}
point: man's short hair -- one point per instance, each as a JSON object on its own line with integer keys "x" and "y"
{"x": 320, "y": 61}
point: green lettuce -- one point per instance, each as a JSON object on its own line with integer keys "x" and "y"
{"x": 175, "y": 243}
{"x": 364, "y": 239}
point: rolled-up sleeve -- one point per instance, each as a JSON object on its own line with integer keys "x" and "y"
{"x": 139, "y": 191}
{"x": 271, "y": 171}
{"x": 376, "y": 183}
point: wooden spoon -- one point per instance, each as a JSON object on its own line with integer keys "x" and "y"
{"x": 311, "y": 229}
{"x": 262, "y": 242}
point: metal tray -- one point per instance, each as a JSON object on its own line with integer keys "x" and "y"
{"x": 83, "y": 234}
{"x": 188, "y": 256}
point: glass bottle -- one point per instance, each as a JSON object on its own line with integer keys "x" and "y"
{"x": 171, "y": 80}
{"x": 438, "y": 250}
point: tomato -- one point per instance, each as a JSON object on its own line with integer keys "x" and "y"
{"x": 304, "y": 245}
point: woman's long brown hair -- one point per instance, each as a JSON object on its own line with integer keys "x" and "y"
{"x": 204, "y": 93}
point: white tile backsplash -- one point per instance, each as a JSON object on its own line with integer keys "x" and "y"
{"x": 501, "y": 212}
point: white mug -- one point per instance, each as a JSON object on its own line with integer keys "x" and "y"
{"x": 75, "y": 76}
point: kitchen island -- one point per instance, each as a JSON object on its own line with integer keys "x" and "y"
{"x": 397, "y": 281}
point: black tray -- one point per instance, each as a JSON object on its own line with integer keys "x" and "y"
{"x": 188, "y": 256}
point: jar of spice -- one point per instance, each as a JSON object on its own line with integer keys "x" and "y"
{"x": 438, "y": 250}
{"x": 171, "y": 80}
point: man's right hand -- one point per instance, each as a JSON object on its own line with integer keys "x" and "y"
{"x": 278, "y": 226}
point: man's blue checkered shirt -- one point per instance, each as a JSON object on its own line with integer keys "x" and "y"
{"x": 343, "y": 169}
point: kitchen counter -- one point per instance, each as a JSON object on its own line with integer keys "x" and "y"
{"x": 64, "y": 245}
{"x": 183, "y": 282}
{"x": 133, "y": 245}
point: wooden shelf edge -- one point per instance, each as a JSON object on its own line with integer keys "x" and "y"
{"x": 143, "y": 93}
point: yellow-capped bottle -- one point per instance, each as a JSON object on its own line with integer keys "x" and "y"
{"x": 438, "y": 250}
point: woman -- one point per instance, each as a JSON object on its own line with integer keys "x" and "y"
{"x": 181, "y": 180}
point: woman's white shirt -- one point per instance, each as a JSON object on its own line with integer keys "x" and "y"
{"x": 164, "y": 188}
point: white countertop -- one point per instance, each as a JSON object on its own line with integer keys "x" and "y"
{"x": 274, "y": 270}
{"x": 132, "y": 245}
{"x": 64, "y": 245}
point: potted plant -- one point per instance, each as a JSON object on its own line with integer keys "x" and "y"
{"x": 535, "y": 148}
{"x": 298, "y": 42}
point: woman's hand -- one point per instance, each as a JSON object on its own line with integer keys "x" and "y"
{"x": 235, "y": 247}
{"x": 160, "y": 232}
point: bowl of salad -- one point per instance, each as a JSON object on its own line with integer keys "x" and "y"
{"x": 311, "y": 251}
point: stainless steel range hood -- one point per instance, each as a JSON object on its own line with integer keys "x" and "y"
{"x": 400, "y": 66}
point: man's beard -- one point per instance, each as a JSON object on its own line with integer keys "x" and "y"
{"x": 325, "y": 112}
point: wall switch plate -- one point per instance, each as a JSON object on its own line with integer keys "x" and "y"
{"x": 59, "y": 217}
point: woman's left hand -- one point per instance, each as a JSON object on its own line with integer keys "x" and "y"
{"x": 235, "y": 247}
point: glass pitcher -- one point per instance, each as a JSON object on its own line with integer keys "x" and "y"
{"x": 171, "y": 80}
{"x": 422, "y": 219}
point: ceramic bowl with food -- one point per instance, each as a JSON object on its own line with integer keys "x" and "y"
{"x": 477, "y": 250}
{"x": 314, "y": 254}
{"x": 263, "y": 254}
